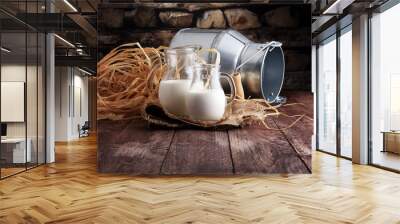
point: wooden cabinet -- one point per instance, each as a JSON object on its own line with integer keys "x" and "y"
{"x": 391, "y": 141}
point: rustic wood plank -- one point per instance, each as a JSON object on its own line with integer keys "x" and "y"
{"x": 299, "y": 135}
{"x": 199, "y": 152}
{"x": 109, "y": 128}
{"x": 304, "y": 102}
{"x": 138, "y": 150}
{"x": 256, "y": 150}
{"x": 108, "y": 132}
{"x": 131, "y": 147}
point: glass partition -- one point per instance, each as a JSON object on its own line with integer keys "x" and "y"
{"x": 326, "y": 105}
{"x": 14, "y": 153}
{"x": 22, "y": 77}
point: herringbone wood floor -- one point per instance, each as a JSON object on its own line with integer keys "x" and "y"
{"x": 71, "y": 191}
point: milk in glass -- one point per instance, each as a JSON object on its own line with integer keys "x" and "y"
{"x": 172, "y": 95}
{"x": 176, "y": 81}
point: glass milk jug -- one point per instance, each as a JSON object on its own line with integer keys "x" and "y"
{"x": 177, "y": 79}
{"x": 205, "y": 100}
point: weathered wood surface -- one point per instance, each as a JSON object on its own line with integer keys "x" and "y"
{"x": 136, "y": 149}
{"x": 256, "y": 150}
{"x": 299, "y": 135}
{"x": 107, "y": 133}
{"x": 199, "y": 152}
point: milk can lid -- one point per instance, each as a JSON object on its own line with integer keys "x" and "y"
{"x": 272, "y": 74}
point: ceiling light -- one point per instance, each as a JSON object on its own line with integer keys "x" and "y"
{"x": 5, "y": 50}
{"x": 65, "y": 41}
{"x": 338, "y": 6}
{"x": 84, "y": 71}
{"x": 79, "y": 51}
{"x": 70, "y": 5}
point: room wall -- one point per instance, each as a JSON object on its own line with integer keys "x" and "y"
{"x": 61, "y": 103}
{"x": 83, "y": 83}
{"x": 69, "y": 82}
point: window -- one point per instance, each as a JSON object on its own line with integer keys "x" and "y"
{"x": 335, "y": 74}
{"x": 385, "y": 89}
{"x": 346, "y": 92}
{"x": 326, "y": 106}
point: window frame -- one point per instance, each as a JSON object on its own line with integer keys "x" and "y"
{"x": 347, "y": 27}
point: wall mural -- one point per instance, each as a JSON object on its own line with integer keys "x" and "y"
{"x": 204, "y": 88}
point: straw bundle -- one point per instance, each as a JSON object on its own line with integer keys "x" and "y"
{"x": 123, "y": 80}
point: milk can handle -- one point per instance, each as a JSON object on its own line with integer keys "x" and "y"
{"x": 231, "y": 85}
{"x": 267, "y": 45}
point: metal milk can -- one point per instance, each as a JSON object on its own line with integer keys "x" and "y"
{"x": 261, "y": 65}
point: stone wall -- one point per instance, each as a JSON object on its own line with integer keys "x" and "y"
{"x": 154, "y": 24}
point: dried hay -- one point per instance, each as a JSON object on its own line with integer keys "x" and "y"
{"x": 126, "y": 78}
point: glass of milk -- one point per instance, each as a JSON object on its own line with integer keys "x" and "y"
{"x": 177, "y": 79}
{"x": 205, "y": 100}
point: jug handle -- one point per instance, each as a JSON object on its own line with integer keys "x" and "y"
{"x": 217, "y": 60}
{"x": 231, "y": 85}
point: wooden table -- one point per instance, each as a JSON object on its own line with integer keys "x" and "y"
{"x": 132, "y": 147}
